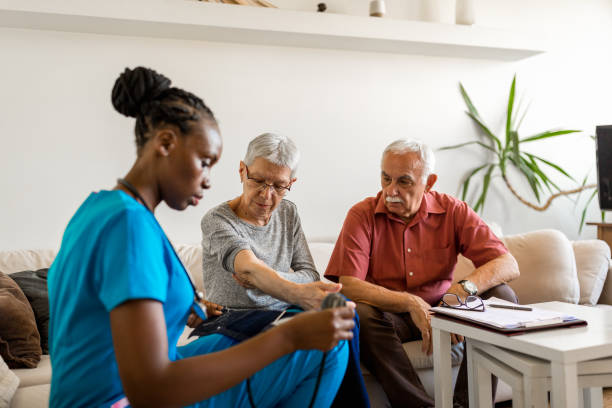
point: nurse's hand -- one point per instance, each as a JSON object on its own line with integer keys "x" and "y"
{"x": 321, "y": 330}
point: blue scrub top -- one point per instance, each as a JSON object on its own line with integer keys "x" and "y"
{"x": 113, "y": 250}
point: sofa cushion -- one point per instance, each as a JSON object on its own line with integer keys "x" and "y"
{"x": 26, "y": 260}
{"x": 191, "y": 257}
{"x": 33, "y": 396}
{"x": 592, "y": 264}
{"x": 19, "y": 338}
{"x": 8, "y": 384}
{"x": 39, "y": 375}
{"x": 547, "y": 265}
{"x": 34, "y": 286}
{"x": 546, "y": 260}
{"x": 321, "y": 253}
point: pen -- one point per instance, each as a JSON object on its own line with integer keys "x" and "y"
{"x": 525, "y": 308}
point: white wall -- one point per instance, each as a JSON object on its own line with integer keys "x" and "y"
{"x": 62, "y": 139}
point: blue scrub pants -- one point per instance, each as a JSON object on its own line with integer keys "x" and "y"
{"x": 289, "y": 381}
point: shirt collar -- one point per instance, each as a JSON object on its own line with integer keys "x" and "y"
{"x": 429, "y": 205}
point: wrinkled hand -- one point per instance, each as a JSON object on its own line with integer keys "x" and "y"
{"x": 212, "y": 309}
{"x": 321, "y": 330}
{"x": 421, "y": 317}
{"x": 311, "y": 294}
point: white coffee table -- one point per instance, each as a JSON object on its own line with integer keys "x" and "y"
{"x": 564, "y": 348}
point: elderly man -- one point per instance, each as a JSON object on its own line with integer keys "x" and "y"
{"x": 395, "y": 257}
{"x": 255, "y": 253}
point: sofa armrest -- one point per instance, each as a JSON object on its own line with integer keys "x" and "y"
{"x": 592, "y": 265}
{"x": 606, "y": 293}
{"x": 26, "y": 260}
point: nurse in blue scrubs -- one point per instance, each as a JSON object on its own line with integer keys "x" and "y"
{"x": 120, "y": 297}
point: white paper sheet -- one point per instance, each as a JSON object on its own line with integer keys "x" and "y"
{"x": 507, "y": 318}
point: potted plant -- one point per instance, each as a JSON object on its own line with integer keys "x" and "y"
{"x": 508, "y": 152}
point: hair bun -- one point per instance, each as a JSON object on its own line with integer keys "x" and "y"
{"x": 134, "y": 87}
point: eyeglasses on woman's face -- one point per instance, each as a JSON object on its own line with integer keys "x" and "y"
{"x": 453, "y": 301}
{"x": 261, "y": 185}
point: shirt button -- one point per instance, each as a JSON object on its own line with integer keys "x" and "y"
{"x": 410, "y": 273}
{"x": 409, "y": 250}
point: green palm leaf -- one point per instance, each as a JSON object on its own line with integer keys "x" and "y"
{"x": 514, "y": 141}
{"x": 551, "y": 164}
{"x": 509, "y": 113}
{"x": 468, "y": 101}
{"x": 473, "y": 113}
{"x": 518, "y": 125}
{"x": 586, "y": 206}
{"x": 533, "y": 165}
{"x": 547, "y": 134}
{"x": 468, "y": 143}
{"x": 524, "y": 169}
{"x": 466, "y": 183}
{"x": 486, "y": 130}
{"x": 485, "y": 188}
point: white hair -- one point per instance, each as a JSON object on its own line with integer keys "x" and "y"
{"x": 276, "y": 149}
{"x": 425, "y": 153}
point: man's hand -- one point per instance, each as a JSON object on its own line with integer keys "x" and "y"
{"x": 421, "y": 317}
{"x": 458, "y": 290}
{"x": 310, "y": 295}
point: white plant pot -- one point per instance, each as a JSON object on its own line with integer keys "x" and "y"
{"x": 465, "y": 12}
{"x": 438, "y": 11}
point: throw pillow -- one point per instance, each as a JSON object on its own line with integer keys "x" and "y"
{"x": 8, "y": 384}
{"x": 548, "y": 267}
{"x": 592, "y": 262}
{"x": 19, "y": 337}
{"x": 34, "y": 286}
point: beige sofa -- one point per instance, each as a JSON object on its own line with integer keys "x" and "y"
{"x": 552, "y": 268}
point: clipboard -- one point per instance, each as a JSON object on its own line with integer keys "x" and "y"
{"x": 508, "y": 331}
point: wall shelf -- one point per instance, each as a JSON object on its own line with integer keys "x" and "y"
{"x": 193, "y": 20}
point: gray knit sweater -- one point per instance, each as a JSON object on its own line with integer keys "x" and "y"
{"x": 281, "y": 244}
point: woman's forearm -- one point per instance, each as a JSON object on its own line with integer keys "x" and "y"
{"x": 256, "y": 273}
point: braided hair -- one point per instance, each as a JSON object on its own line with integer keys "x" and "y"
{"x": 146, "y": 95}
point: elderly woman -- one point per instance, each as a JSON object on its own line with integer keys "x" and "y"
{"x": 255, "y": 253}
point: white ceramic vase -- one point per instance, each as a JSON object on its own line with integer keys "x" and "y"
{"x": 464, "y": 13}
{"x": 377, "y": 8}
{"x": 438, "y": 11}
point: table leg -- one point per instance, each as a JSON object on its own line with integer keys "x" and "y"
{"x": 564, "y": 385}
{"x": 442, "y": 368}
{"x": 481, "y": 398}
{"x": 471, "y": 373}
{"x": 593, "y": 397}
{"x": 536, "y": 392}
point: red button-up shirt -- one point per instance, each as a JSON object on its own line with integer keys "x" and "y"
{"x": 419, "y": 256}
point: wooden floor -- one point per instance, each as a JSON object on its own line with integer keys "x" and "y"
{"x": 607, "y": 396}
